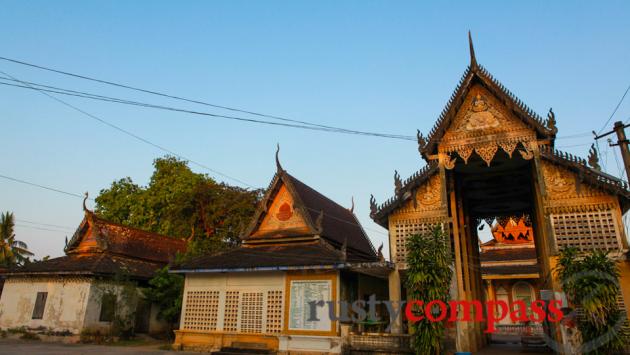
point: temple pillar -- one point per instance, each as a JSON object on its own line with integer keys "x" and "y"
{"x": 394, "y": 297}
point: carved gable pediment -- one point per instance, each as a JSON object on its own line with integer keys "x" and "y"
{"x": 282, "y": 217}
{"x": 483, "y": 125}
{"x": 566, "y": 192}
{"x": 425, "y": 203}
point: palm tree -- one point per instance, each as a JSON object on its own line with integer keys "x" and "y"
{"x": 12, "y": 252}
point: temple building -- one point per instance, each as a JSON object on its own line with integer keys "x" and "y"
{"x": 490, "y": 157}
{"x": 95, "y": 283}
{"x": 300, "y": 247}
{"x": 509, "y": 268}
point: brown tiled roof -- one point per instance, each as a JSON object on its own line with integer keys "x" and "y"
{"x": 127, "y": 241}
{"x": 507, "y": 254}
{"x": 509, "y": 270}
{"x": 271, "y": 257}
{"x": 324, "y": 217}
{"x": 91, "y": 264}
{"x": 338, "y": 224}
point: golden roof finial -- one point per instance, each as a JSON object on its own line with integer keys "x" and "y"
{"x": 473, "y": 60}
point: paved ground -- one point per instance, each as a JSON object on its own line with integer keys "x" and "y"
{"x": 22, "y": 347}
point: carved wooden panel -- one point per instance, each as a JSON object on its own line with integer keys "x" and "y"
{"x": 427, "y": 202}
{"x": 483, "y": 125}
{"x": 282, "y": 215}
{"x": 566, "y": 194}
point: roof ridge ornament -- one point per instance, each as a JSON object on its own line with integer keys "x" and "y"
{"x": 351, "y": 209}
{"x": 593, "y": 158}
{"x": 473, "y": 59}
{"x": 373, "y": 208}
{"x": 422, "y": 141}
{"x": 278, "y": 166}
{"x": 397, "y": 183}
{"x": 86, "y": 196}
{"x": 551, "y": 121}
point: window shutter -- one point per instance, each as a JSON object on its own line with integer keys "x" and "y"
{"x": 108, "y": 307}
{"x": 40, "y": 304}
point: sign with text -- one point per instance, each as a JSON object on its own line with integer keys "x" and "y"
{"x": 303, "y": 292}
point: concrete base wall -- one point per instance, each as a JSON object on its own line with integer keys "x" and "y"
{"x": 65, "y": 308}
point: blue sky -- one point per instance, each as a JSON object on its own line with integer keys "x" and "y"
{"x": 368, "y": 65}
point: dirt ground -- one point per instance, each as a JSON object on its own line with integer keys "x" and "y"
{"x": 23, "y": 347}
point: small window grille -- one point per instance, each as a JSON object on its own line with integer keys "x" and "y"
{"x": 586, "y": 230}
{"x": 230, "y": 318}
{"x": 202, "y": 308}
{"x": 40, "y": 304}
{"x": 274, "y": 312}
{"x": 403, "y": 230}
{"x": 251, "y": 313}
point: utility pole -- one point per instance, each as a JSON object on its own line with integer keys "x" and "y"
{"x": 622, "y": 142}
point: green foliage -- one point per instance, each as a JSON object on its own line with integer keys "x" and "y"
{"x": 165, "y": 290}
{"x": 12, "y": 251}
{"x": 590, "y": 282}
{"x": 180, "y": 203}
{"x": 429, "y": 276}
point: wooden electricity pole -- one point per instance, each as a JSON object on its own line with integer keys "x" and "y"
{"x": 622, "y": 142}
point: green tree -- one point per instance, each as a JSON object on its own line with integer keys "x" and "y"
{"x": 13, "y": 251}
{"x": 429, "y": 276}
{"x": 165, "y": 290}
{"x": 591, "y": 282}
{"x": 181, "y": 203}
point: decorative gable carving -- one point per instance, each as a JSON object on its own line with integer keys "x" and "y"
{"x": 566, "y": 193}
{"x": 282, "y": 216}
{"x": 426, "y": 203}
{"x": 483, "y": 125}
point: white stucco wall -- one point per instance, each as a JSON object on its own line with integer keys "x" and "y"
{"x": 65, "y": 307}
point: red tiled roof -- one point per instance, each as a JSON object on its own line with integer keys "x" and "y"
{"x": 127, "y": 241}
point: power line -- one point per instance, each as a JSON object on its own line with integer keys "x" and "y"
{"x": 41, "y": 228}
{"x": 153, "y": 92}
{"x": 82, "y": 94}
{"x": 42, "y": 186}
{"x": 614, "y": 111}
{"x": 44, "y": 224}
{"x": 133, "y": 135}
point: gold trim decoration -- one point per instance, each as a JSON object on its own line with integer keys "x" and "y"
{"x": 484, "y": 125}
{"x": 487, "y": 152}
{"x": 508, "y": 147}
{"x": 465, "y": 153}
{"x": 449, "y": 163}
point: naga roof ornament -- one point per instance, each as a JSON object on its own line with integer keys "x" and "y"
{"x": 593, "y": 158}
{"x": 551, "y": 121}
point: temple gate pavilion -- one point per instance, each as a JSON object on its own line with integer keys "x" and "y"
{"x": 490, "y": 157}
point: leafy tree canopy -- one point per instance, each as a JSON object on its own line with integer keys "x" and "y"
{"x": 180, "y": 203}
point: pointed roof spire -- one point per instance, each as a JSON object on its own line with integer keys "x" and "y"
{"x": 278, "y": 166}
{"x": 473, "y": 60}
